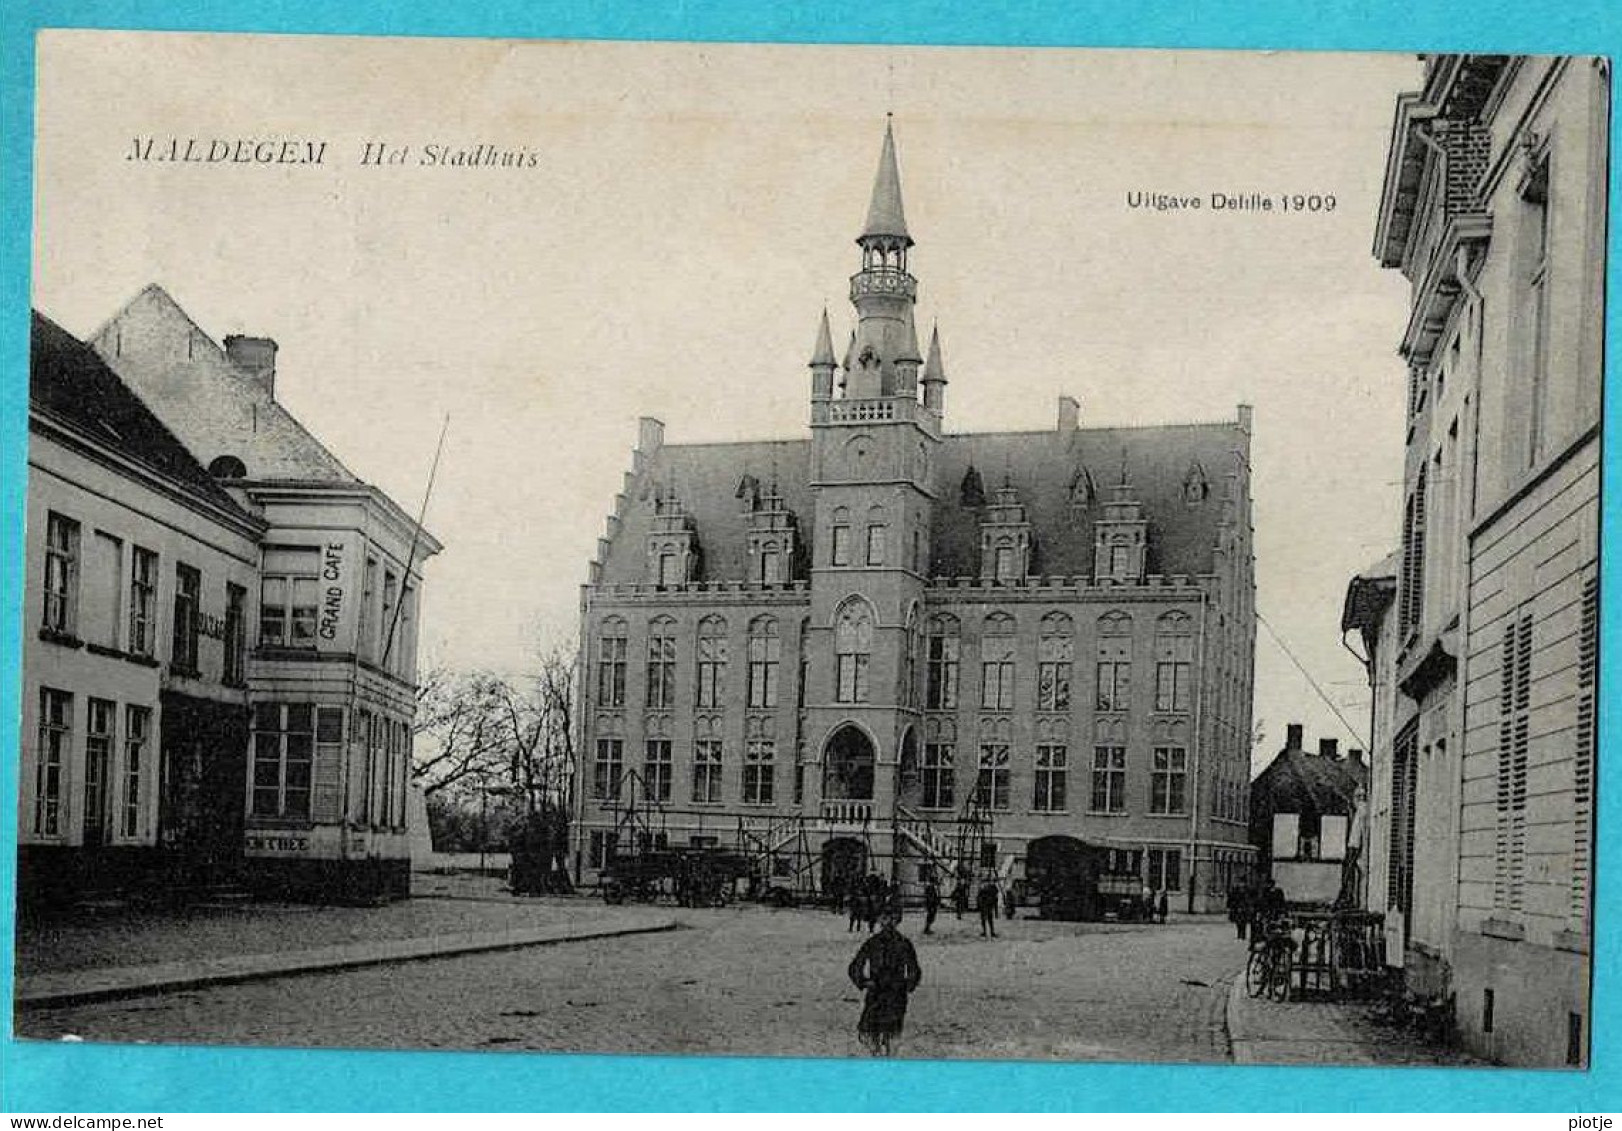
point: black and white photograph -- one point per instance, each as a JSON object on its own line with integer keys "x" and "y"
{"x": 945, "y": 553}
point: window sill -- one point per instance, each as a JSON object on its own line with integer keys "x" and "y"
{"x": 185, "y": 672}
{"x": 260, "y": 823}
{"x": 1503, "y": 929}
{"x": 235, "y": 684}
{"x": 65, "y": 639}
{"x": 1050, "y": 812}
{"x": 141, "y": 661}
{"x": 107, "y": 650}
{"x": 1183, "y": 813}
{"x": 1108, "y": 813}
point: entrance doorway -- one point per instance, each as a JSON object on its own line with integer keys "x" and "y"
{"x": 848, "y": 766}
{"x": 844, "y": 863}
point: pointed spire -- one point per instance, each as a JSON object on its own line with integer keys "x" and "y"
{"x": 934, "y": 370}
{"x": 850, "y": 353}
{"x": 824, "y": 353}
{"x": 884, "y": 213}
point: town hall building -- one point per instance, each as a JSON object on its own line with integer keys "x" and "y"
{"x": 890, "y": 648}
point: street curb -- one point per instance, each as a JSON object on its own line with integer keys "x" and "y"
{"x": 1239, "y": 1050}
{"x": 139, "y": 981}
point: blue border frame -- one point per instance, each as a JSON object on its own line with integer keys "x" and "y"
{"x": 77, "y": 1078}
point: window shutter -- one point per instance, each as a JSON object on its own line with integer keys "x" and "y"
{"x": 326, "y": 774}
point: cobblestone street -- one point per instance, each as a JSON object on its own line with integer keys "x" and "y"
{"x": 745, "y": 980}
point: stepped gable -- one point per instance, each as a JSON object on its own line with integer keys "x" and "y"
{"x": 704, "y": 478}
{"x": 215, "y": 406}
{"x": 67, "y": 380}
{"x": 1041, "y": 465}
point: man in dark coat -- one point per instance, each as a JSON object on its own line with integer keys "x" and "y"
{"x": 1239, "y": 908}
{"x": 1161, "y": 903}
{"x": 886, "y": 967}
{"x": 960, "y": 898}
{"x": 932, "y": 903}
{"x": 985, "y": 901}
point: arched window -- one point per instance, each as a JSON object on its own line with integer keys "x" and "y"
{"x": 611, "y": 663}
{"x": 876, "y": 528}
{"x": 765, "y": 653}
{"x": 227, "y": 467}
{"x": 940, "y": 688}
{"x": 997, "y": 663}
{"x": 1005, "y": 561}
{"x": 712, "y": 662}
{"x": 662, "y": 663}
{"x": 804, "y": 672}
{"x": 909, "y": 659}
{"x": 853, "y": 648}
{"x": 1055, "y": 648}
{"x": 1114, "y": 661}
{"x": 1174, "y": 661}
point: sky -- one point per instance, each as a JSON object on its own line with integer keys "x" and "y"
{"x": 689, "y": 211}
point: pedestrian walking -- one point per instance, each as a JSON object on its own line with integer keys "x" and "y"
{"x": 1239, "y": 908}
{"x": 886, "y": 968}
{"x": 986, "y": 903}
{"x": 960, "y": 898}
{"x": 932, "y": 904}
{"x": 858, "y": 906}
{"x": 875, "y": 901}
{"x": 1008, "y": 901}
{"x": 1161, "y": 904}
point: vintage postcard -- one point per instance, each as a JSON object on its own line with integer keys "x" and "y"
{"x": 812, "y": 551}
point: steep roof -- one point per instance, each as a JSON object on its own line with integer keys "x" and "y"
{"x": 68, "y": 380}
{"x": 1047, "y": 470}
{"x": 213, "y": 405}
{"x": 884, "y": 213}
{"x": 1297, "y": 781}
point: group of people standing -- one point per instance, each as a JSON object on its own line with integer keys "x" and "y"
{"x": 1251, "y": 906}
{"x": 867, "y": 901}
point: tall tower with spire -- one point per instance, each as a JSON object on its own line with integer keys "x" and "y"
{"x": 874, "y": 452}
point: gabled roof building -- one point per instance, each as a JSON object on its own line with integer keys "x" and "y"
{"x": 849, "y": 651}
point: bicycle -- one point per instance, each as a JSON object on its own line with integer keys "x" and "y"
{"x": 1271, "y": 962}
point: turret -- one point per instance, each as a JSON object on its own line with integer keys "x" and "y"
{"x": 823, "y": 363}
{"x": 886, "y": 355}
{"x": 934, "y": 378}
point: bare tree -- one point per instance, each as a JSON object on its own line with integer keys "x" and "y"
{"x": 461, "y": 729}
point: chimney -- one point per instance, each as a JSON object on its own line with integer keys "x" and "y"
{"x": 254, "y": 356}
{"x": 1292, "y": 737}
{"x": 1069, "y": 415}
{"x": 1247, "y": 416}
{"x": 650, "y": 435}
{"x": 1354, "y": 755}
{"x": 1329, "y": 748}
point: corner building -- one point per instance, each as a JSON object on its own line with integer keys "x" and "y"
{"x": 848, "y": 653}
{"x": 1494, "y": 209}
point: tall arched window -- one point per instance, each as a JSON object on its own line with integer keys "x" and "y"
{"x": 662, "y": 663}
{"x": 1174, "y": 661}
{"x": 940, "y": 689}
{"x": 997, "y": 663}
{"x": 712, "y": 661}
{"x": 853, "y": 648}
{"x": 1055, "y": 648}
{"x": 876, "y": 527}
{"x": 1114, "y": 661}
{"x": 909, "y": 659}
{"x": 765, "y": 654}
{"x": 611, "y": 663}
{"x": 839, "y": 538}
